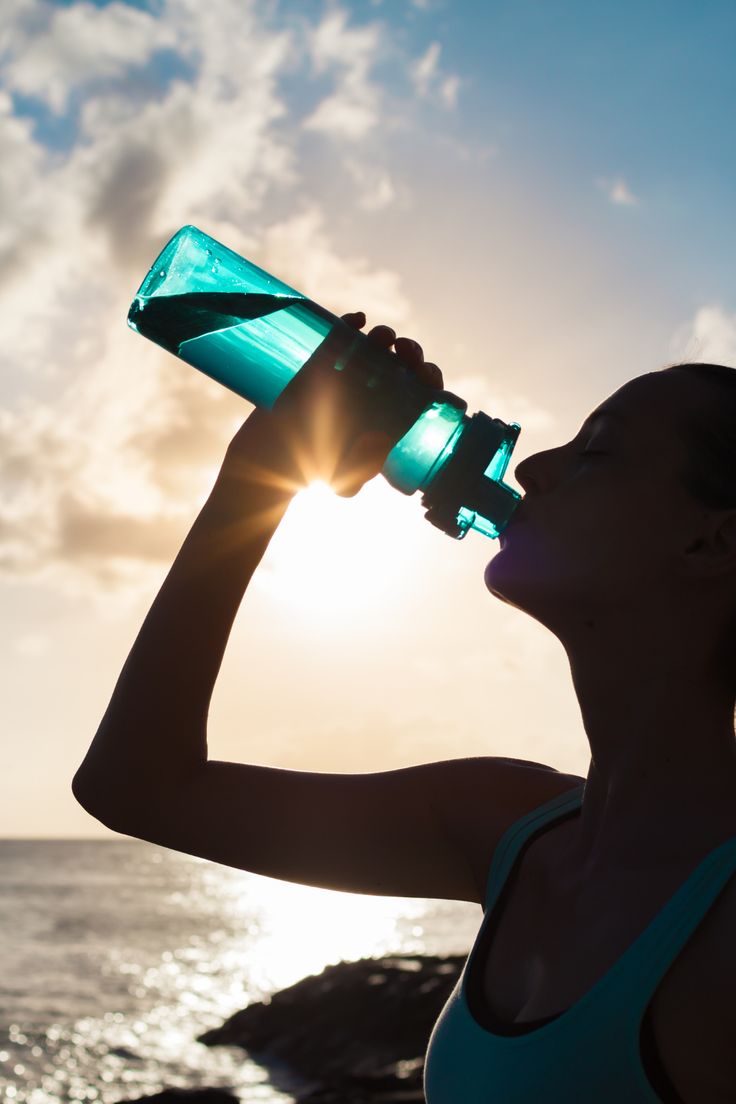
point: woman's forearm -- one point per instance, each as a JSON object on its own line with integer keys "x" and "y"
{"x": 154, "y": 728}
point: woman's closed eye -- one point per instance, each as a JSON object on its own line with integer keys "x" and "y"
{"x": 592, "y": 451}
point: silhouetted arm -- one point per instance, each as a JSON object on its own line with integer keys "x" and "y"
{"x": 422, "y": 831}
{"x": 154, "y": 729}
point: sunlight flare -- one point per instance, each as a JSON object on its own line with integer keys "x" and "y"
{"x": 335, "y": 559}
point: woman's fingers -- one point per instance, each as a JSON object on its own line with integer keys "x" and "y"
{"x": 382, "y": 335}
{"x": 406, "y": 348}
{"x": 411, "y": 352}
{"x": 431, "y": 374}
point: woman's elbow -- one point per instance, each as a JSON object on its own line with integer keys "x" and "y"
{"x": 102, "y": 799}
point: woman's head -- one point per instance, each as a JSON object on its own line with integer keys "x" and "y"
{"x": 632, "y": 515}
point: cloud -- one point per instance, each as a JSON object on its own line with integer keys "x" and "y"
{"x": 710, "y": 336}
{"x": 354, "y": 107}
{"x": 375, "y": 187}
{"x": 424, "y": 70}
{"x": 617, "y": 191}
{"x": 449, "y": 89}
{"x": 428, "y": 81}
{"x": 57, "y": 49}
{"x": 95, "y": 217}
{"x": 299, "y": 249}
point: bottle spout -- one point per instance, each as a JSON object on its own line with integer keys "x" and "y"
{"x": 501, "y": 502}
{"x": 497, "y": 467}
{"x": 469, "y": 492}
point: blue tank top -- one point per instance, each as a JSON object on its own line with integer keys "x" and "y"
{"x": 593, "y": 1050}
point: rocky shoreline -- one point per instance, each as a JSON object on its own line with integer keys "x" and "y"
{"x": 355, "y": 1034}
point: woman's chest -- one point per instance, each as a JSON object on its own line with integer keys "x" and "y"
{"x": 547, "y": 947}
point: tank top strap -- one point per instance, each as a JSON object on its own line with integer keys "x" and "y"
{"x": 519, "y": 832}
{"x": 637, "y": 973}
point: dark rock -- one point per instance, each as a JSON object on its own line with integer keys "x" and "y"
{"x": 355, "y": 1033}
{"x": 123, "y": 1052}
{"x": 188, "y": 1096}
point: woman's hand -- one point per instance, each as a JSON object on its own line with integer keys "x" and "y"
{"x": 293, "y": 450}
{"x": 368, "y": 455}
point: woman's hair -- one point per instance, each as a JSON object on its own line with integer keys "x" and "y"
{"x": 709, "y": 472}
{"x": 709, "y": 434}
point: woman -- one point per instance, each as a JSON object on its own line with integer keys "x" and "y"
{"x": 609, "y": 971}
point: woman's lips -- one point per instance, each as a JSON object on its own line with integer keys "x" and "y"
{"x": 513, "y": 521}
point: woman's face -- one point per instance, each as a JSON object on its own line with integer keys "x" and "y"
{"x": 603, "y": 522}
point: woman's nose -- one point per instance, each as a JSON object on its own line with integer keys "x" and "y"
{"x": 535, "y": 472}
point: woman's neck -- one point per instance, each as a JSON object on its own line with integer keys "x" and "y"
{"x": 662, "y": 778}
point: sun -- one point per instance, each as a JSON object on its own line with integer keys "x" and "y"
{"x": 335, "y": 559}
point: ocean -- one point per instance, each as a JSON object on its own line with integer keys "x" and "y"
{"x": 117, "y": 954}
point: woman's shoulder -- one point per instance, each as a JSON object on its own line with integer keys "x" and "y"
{"x": 481, "y": 797}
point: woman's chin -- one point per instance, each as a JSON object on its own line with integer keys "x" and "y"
{"x": 501, "y": 577}
{"x": 492, "y": 575}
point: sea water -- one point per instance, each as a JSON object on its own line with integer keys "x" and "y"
{"x": 116, "y": 955}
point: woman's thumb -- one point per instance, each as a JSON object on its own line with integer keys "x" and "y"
{"x": 364, "y": 460}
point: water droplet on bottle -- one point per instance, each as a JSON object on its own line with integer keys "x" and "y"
{"x": 162, "y": 273}
{"x": 209, "y": 252}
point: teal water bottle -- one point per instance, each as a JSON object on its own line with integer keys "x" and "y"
{"x": 253, "y": 333}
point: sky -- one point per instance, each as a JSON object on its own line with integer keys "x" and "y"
{"x": 542, "y": 194}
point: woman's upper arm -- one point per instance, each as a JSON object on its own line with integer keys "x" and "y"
{"x": 418, "y": 831}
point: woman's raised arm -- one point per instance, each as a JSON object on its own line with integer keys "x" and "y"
{"x": 424, "y": 831}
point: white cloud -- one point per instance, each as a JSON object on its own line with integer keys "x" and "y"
{"x": 56, "y": 49}
{"x": 618, "y": 191}
{"x": 210, "y": 149}
{"x": 710, "y": 336}
{"x": 353, "y": 109}
{"x": 351, "y": 112}
{"x": 22, "y": 164}
{"x": 299, "y": 250}
{"x": 424, "y": 70}
{"x": 449, "y": 90}
{"x": 375, "y": 187}
{"x": 381, "y": 194}
{"x": 428, "y": 80}
{"x": 333, "y": 42}
{"x": 474, "y": 154}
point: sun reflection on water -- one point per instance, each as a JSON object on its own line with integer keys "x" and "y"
{"x": 303, "y": 929}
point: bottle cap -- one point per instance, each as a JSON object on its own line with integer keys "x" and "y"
{"x": 464, "y": 483}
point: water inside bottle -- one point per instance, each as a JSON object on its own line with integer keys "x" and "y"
{"x": 252, "y": 343}
{"x": 171, "y": 320}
